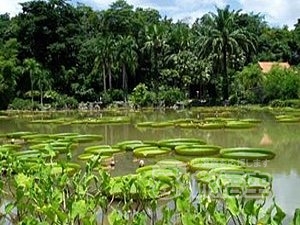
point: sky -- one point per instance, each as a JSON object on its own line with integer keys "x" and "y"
{"x": 277, "y": 12}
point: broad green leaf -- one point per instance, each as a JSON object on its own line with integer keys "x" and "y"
{"x": 79, "y": 208}
{"x": 232, "y": 205}
{"x": 9, "y": 207}
{"x": 296, "y": 219}
{"x": 23, "y": 181}
{"x": 187, "y": 219}
{"x": 220, "y": 218}
{"x": 279, "y": 216}
{"x": 182, "y": 205}
{"x": 249, "y": 207}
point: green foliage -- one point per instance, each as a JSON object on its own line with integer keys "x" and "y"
{"x": 282, "y": 84}
{"x": 170, "y": 95}
{"x": 141, "y": 97}
{"x": 248, "y": 85}
{"x": 80, "y": 52}
{"x": 65, "y": 102}
{"x": 23, "y": 104}
{"x": 294, "y": 103}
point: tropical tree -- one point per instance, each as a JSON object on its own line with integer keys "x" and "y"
{"x": 127, "y": 56}
{"x": 222, "y": 38}
{"x": 155, "y": 45}
{"x": 43, "y": 81}
{"x": 32, "y": 67}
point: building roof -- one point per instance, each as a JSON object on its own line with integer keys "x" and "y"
{"x": 267, "y": 66}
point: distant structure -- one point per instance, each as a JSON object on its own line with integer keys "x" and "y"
{"x": 266, "y": 140}
{"x": 267, "y": 66}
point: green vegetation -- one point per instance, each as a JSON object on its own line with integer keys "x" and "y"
{"x": 55, "y": 55}
{"x": 67, "y": 178}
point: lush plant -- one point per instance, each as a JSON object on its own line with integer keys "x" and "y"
{"x": 65, "y": 102}
{"x": 170, "y": 95}
{"x": 43, "y": 191}
{"x": 23, "y": 104}
{"x": 294, "y": 103}
{"x": 282, "y": 84}
{"x": 141, "y": 97}
{"x": 248, "y": 85}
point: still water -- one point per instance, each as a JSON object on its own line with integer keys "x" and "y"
{"x": 284, "y": 137}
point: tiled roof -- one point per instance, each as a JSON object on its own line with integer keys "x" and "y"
{"x": 267, "y": 66}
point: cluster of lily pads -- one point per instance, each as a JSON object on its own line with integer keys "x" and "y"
{"x": 92, "y": 120}
{"x": 42, "y": 172}
{"x": 207, "y": 123}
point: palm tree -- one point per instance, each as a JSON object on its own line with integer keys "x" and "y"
{"x": 32, "y": 67}
{"x": 106, "y": 54}
{"x": 155, "y": 44}
{"x": 127, "y": 57}
{"x": 222, "y": 37}
{"x": 43, "y": 81}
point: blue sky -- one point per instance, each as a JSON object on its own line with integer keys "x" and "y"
{"x": 277, "y": 12}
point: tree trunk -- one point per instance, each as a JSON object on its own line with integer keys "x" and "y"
{"x": 31, "y": 83}
{"x": 104, "y": 77}
{"x": 124, "y": 75}
{"x": 225, "y": 75}
{"x": 109, "y": 76}
{"x": 42, "y": 98}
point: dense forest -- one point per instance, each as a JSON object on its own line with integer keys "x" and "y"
{"x": 56, "y": 53}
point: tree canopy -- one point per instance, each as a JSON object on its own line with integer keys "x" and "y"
{"x": 85, "y": 54}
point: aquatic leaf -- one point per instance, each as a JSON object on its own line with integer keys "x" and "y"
{"x": 279, "y": 216}
{"x": 232, "y": 205}
{"x": 9, "y": 207}
{"x": 115, "y": 218}
{"x": 219, "y": 217}
{"x": 181, "y": 205}
{"x": 296, "y": 219}
{"x": 187, "y": 219}
{"x": 249, "y": 207}
{"x": 79, "y": 208}
{"x": 23, "y": 181}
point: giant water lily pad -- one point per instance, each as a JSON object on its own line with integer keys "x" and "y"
{"x": 237, "y": 181}
{"x": 130, "y": 145}
{"x": 197, "y": 150}
{"x": 247, "y": 153}
{"x": 102, "y": 150}
{"x": 172, "y": 143}
{"x": 151, "y": 151}
{"x": 212, "y": 163}
{"x": 239, "y": 125}
{"x": 19, "y": 134}
{"x": 85, "y": 138}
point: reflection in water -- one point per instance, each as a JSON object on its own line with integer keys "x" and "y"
{"x": 283, "y": 139}
{"x": 266, "y": 140}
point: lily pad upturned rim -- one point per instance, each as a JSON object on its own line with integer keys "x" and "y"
{"x": 244, "y": 153}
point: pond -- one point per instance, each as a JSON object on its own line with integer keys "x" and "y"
{"x": 282, "y": 138}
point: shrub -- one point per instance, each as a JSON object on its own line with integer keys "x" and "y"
{"x": 248, "y": 85}
{"x": 65, "y": 102}
{"x": 294, "y": 103}
{"x": 282, "y": 84}
{"x": 140, "y": 96}
{"x": 23, "y": 104}
{"x": 170, "y": 95}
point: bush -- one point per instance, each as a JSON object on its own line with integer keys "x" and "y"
{"x": 294, "y": 103}
{"x": 140, "y": 96}
{"x": 23, "y": 104}
{"x": 65, "y": 102}
{"x": 170, "y": 95}
{"x": 282, "y": 84}
{"x": 248, "y": 86}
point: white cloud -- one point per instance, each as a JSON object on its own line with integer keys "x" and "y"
{"x": 10, "y": 6}
{"x": 277, "y": 12}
